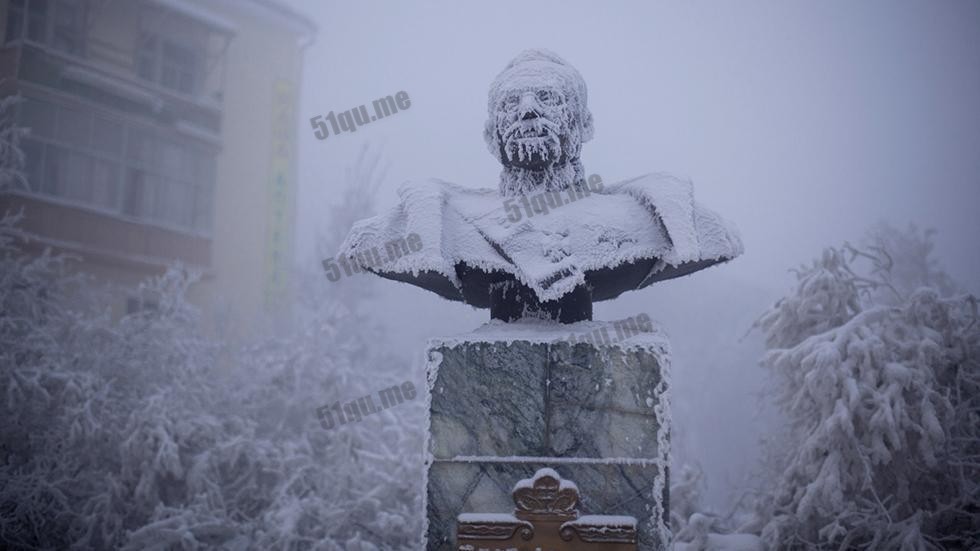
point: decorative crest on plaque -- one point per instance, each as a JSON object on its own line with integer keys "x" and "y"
{"x": 545, "y": 516}
{"x": 546, "y": 496}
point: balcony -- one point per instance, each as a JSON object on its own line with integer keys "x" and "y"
{"x": 125, "y": 125}
{"x": 69, "y": 228}
{"x": 152, "y": 59}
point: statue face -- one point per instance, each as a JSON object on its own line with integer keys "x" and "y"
{"x": 532, "y": 125}
{"x": 538, "y": 117}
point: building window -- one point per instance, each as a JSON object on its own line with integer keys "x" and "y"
{"x": 15, "y": 20}
{"x": 135, "y": 199}
{"x": 74, "y": 125}
{"x": 105, "y": 183}
{"x": 168, "y": 63}
{"x": 179, "y": 67}
{"x": 90, "y": 159}
{"x": 67, "y": 27}
{"x": 33, "y": 163}
{"x": 58, "y": 23}
{"x": 107, "y": 136}
{"x": 39, "y": 117}
{"x": 139, "y": 148}
{"x": 55, "y": 171}
{"x": 203, "y": 207}
{"x": 37, "y": 20}
{"x": 76, "y": 182}
{"x": 146, "y": 57}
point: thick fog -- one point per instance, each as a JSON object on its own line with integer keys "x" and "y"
{"x": 823, "y": 384}
{"x": 803, "y": 123}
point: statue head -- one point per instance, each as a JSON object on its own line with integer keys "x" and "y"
{"x": 538, "y": 121}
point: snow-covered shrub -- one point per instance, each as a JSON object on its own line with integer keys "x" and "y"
{"x": 144, "y": 432}
{"x": 11, "y": 155}
{"x": 686, "y": 490}
{"x": 876, "y": 367}
{"x": 696, "y": 529}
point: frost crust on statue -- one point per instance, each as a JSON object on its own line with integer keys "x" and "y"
{"x": 538, "y": 121}
{"x": 624, "y": 237}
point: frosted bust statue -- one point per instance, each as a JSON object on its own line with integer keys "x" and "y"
{"x": 478, "y": 248}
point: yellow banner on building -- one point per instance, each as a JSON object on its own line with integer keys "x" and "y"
{"x": 279, "y": 216}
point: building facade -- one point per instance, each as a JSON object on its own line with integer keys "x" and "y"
{"x": 161, "y": 131}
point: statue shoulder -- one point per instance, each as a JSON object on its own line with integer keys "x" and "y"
{"x": 438, "y": 188}
{"x": 653, "y": 182}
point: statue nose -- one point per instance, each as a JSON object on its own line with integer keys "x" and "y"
{"x": 528, "y": 108}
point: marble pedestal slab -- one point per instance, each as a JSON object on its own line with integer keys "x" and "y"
{"x": 587, "y": 399}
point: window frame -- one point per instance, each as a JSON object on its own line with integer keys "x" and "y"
{"x": 161, "y": 63}
{"x": 155, "y": 206}
{"x": 21, "y": 18}
{"x": 22, "y": 12}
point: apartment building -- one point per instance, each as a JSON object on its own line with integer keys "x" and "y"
{"x": 160, "y": 131}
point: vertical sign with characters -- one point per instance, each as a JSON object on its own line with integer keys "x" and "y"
{"x": 280, "y": 203}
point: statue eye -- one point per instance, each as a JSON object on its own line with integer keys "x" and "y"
{"x": 510, "y": 102}
{"x": 549, "y": 97}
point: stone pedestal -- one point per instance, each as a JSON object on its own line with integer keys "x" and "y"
{"x": 588, "y": 400}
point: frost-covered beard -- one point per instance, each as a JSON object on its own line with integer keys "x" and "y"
{"x": 519, "y": 181}
{"x": 537, "y": 123}
{"x": 532, "y": 144}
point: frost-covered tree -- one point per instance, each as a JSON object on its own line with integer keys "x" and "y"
{"x": 876, "y": 367}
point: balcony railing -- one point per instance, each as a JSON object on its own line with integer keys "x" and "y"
{"x": 110, "y": 84}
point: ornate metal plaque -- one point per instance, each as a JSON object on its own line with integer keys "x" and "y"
{"x": 545, "y": 518}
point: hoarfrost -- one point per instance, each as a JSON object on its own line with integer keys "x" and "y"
{"x": 878, "y": 380}
{"x": 538, "y": 120}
